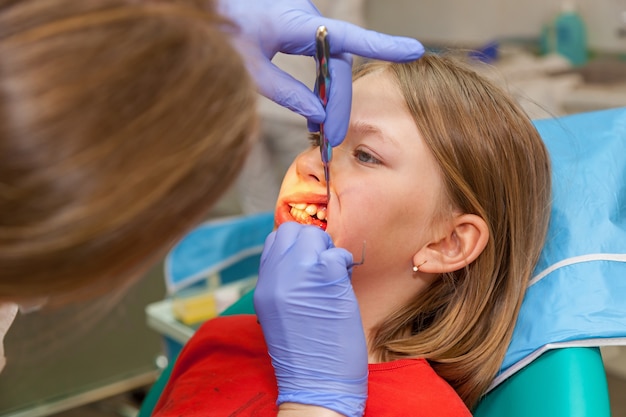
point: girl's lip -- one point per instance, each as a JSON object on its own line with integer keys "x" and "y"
{"x": 283, "y": 209}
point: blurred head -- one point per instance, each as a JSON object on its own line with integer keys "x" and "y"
{"x": 441, "y": 169}
{"x": 122, "y": 123}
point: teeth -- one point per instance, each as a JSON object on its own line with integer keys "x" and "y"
{"x": 302, "y": 211}
{"x": 299, "y": 215}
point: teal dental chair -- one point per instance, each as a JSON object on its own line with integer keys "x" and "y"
{"x": 574, "y": 302}
{"x": 561, "y": 382}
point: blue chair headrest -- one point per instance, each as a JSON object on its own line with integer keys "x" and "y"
{"x": 577, "y": 296}
{"x": 215, "y": 246}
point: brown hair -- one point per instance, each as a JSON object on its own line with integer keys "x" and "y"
{"x": 121, "y": 123}
{"x": 494, "y": 165}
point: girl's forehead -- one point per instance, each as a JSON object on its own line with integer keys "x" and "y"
{"x": 377, "y": 101}
{"x": 374, "y": 77}
{"x": 376, "y": 90}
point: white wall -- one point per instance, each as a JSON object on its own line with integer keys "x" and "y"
{"x": 475, "y": 22}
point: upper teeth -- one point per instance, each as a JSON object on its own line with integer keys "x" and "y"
{"x": 310, "y": 209}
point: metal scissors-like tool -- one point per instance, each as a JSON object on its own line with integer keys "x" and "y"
{"x": 322, "y": 85}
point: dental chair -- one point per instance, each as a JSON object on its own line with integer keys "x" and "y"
{"x": 565, "y": 382}
{"x": 574, "y": 302}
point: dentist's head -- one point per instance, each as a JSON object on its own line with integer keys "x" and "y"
{"x": 116, "y": 119}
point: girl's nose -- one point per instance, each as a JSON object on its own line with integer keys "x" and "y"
{"x": 309, "y": 165}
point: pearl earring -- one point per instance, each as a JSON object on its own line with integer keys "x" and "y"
{"x": 417, "y": 267}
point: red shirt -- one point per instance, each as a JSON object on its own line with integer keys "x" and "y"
{"x": 225, "y": 370}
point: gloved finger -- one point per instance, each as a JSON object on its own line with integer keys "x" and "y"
{"x": 314, "y": 240}
{"x": 311, "y": 125}
{"x": 340, "y": 99}
{"x": 347, "y": 37}
{"x": 339, "y": 256}
{"x": 304, "y": 241}
{"x": 284, "y": 239}
{"x": 268, "y": 245}
{"x": 282, "y": 88}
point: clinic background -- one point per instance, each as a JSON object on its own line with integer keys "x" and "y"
{"x": 97, "y": 358}
{"x": 476, "y": 22}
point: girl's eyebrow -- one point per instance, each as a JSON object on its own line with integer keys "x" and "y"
{"x": 367, "y": 129}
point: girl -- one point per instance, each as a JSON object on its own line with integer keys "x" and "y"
{"x": 448, "y": 183}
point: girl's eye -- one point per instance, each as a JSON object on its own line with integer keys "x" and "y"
{"x": 314, "y": 139}
{"x": 365, "y": 157}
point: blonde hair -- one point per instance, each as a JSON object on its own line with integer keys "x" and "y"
{"x": 121, "y": 124}
{"x": 494, "y": 165}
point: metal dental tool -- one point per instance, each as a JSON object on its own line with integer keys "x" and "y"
{"x": 362, "y": 261}
{"x": 322, "y": 85}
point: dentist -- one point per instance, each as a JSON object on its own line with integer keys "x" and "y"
{"x": 123, "y": 121}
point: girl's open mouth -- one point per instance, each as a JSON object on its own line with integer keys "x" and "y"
{"x": 309, "y": 213}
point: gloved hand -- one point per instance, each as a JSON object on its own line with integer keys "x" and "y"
{"x": 289, "y": 26}
{"x": 311, "y": 320}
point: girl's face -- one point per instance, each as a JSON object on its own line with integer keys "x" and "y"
{"x": 385, "y": 189}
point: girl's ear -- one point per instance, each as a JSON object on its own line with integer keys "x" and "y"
{"x": 464, "y": 240}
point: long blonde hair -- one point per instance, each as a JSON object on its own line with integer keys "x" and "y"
{"x": 121, "y": 123}
{"x": 494, "y": 165}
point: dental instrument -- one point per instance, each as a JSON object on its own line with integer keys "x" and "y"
{"x": 362, "y": 261}
{"x": 322, "y": 86}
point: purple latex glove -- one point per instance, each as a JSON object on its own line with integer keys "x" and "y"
{"x": 311, "y": 320}
{"x": 289, "y": 26}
